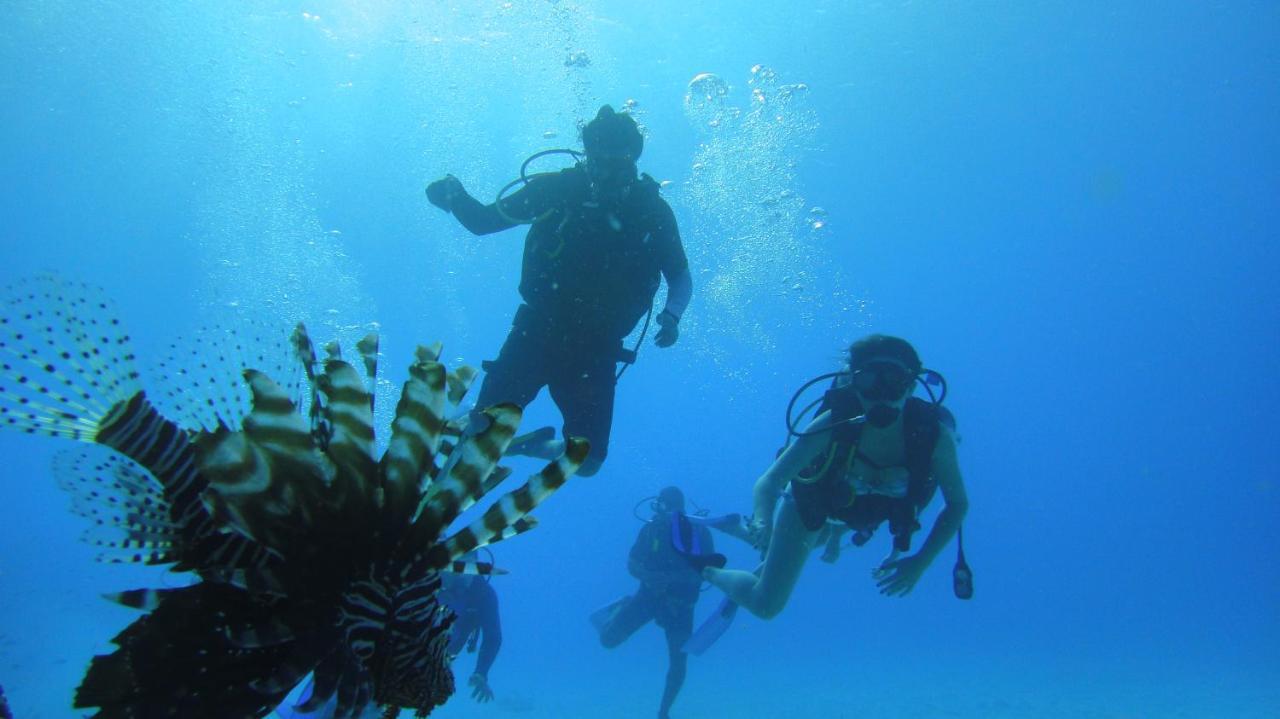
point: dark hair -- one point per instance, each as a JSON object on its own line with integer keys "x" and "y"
{"x": 613, "y": 133}
{"x": 673, "y": 498}
{"x": 874, "y": 347}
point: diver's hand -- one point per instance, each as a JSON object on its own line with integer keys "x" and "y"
{"x": 442, "y": 192}
{"x": 480, "y": 690}
{"x": 897, "y": 577}
{"x": 759, "y": 532}
{"x": 670, "y": 329}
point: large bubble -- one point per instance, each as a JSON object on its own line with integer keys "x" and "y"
{"x": 704, "y": 100}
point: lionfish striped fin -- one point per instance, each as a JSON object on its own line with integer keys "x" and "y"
{"x": 368, "y": 348}
{"x": 509, "y": 511}
{"x": 201, "y": 374}
{"x": 459, "y": 382}
{"x": 431, "y": 352}
{"x": 130, "y": 515}
{"x": 144, "y": 599}
{"x": 351, "y": 443}
{"x": 268, "y": 480}
{"x": 70, "y": 334}
{"x": 305, "y": 351}
{"x": 495, "y": 478}
{"x": 65, "y": 361}
{"x": 481, "y": 568}
{"x": 415, "y": 437}
{"x": 461, "y": 480}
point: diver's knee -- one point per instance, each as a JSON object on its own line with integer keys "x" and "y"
{"x": 769, "y": 608}
{"x": 609, "y": 640}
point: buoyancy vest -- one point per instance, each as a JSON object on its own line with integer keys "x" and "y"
{"x": 824, "y": 490}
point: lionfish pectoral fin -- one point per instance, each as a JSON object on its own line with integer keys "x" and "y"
{"x": 68, "y": 364}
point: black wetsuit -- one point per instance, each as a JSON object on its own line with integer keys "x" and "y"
{"x": 668, "y": 591}
{"x": 476, "y": 605}
{"x": 4, "y": 706}
{"x": 589, "y": 275}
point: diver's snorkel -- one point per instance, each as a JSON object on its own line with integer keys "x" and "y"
{"x": 524, "y": 179}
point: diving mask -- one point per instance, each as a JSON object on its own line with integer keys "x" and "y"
{"x": 611, "y": 172}
{"x": 883, "y": 380}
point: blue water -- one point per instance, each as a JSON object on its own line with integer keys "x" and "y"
{"x": 1069, "y": 208}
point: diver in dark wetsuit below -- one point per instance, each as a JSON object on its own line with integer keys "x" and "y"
{"x": 600, "y": 238}
{"x": 667, "y": 557}
{"x": 475, "y": 603}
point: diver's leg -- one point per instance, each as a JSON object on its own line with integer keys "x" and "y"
{"x": 585, "y": 398}
{"x": 635, "y": 613}
{"x": 679, "y": 628}
{"x": 517, "y": 375}
{"x": 765, "y": 595}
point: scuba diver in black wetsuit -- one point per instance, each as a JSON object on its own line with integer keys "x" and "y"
{"x": 4, "y": 706}
{"x": 475, "y": 603}
{"x": 600, "y": 238}
{"x": 667, "y": 558}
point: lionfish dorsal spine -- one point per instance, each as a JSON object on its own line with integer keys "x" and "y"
{"x": 509, "y": 515}
{"x": 461, "y": 480}
{"x": 459, "y": 382}
{"x": 368, "y": 349}
{"x": 415, "y": 437}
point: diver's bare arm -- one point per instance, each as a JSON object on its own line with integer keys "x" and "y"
{"x": 789, "y": 464}
{"x": 947, "y": 470}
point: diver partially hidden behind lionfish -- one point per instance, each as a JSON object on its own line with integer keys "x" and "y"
{"x": 312, "y": 555}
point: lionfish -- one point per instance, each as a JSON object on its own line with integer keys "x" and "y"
{"x": 310, "y": 554}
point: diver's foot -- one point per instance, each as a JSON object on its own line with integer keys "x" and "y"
{"x": 534, "y": 444}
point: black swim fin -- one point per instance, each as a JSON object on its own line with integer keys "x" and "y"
{"x": 526, "y": 444}
{"x": 702, "y": 561}
{"x": 961, "y": 575}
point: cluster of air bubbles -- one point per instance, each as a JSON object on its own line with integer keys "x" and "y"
{"x": 577, "y": 58}
{"x": 705, "y": 99}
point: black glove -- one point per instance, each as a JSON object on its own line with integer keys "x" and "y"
{"x": 442, "y": 192}
{"x": 670, "y": 331}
